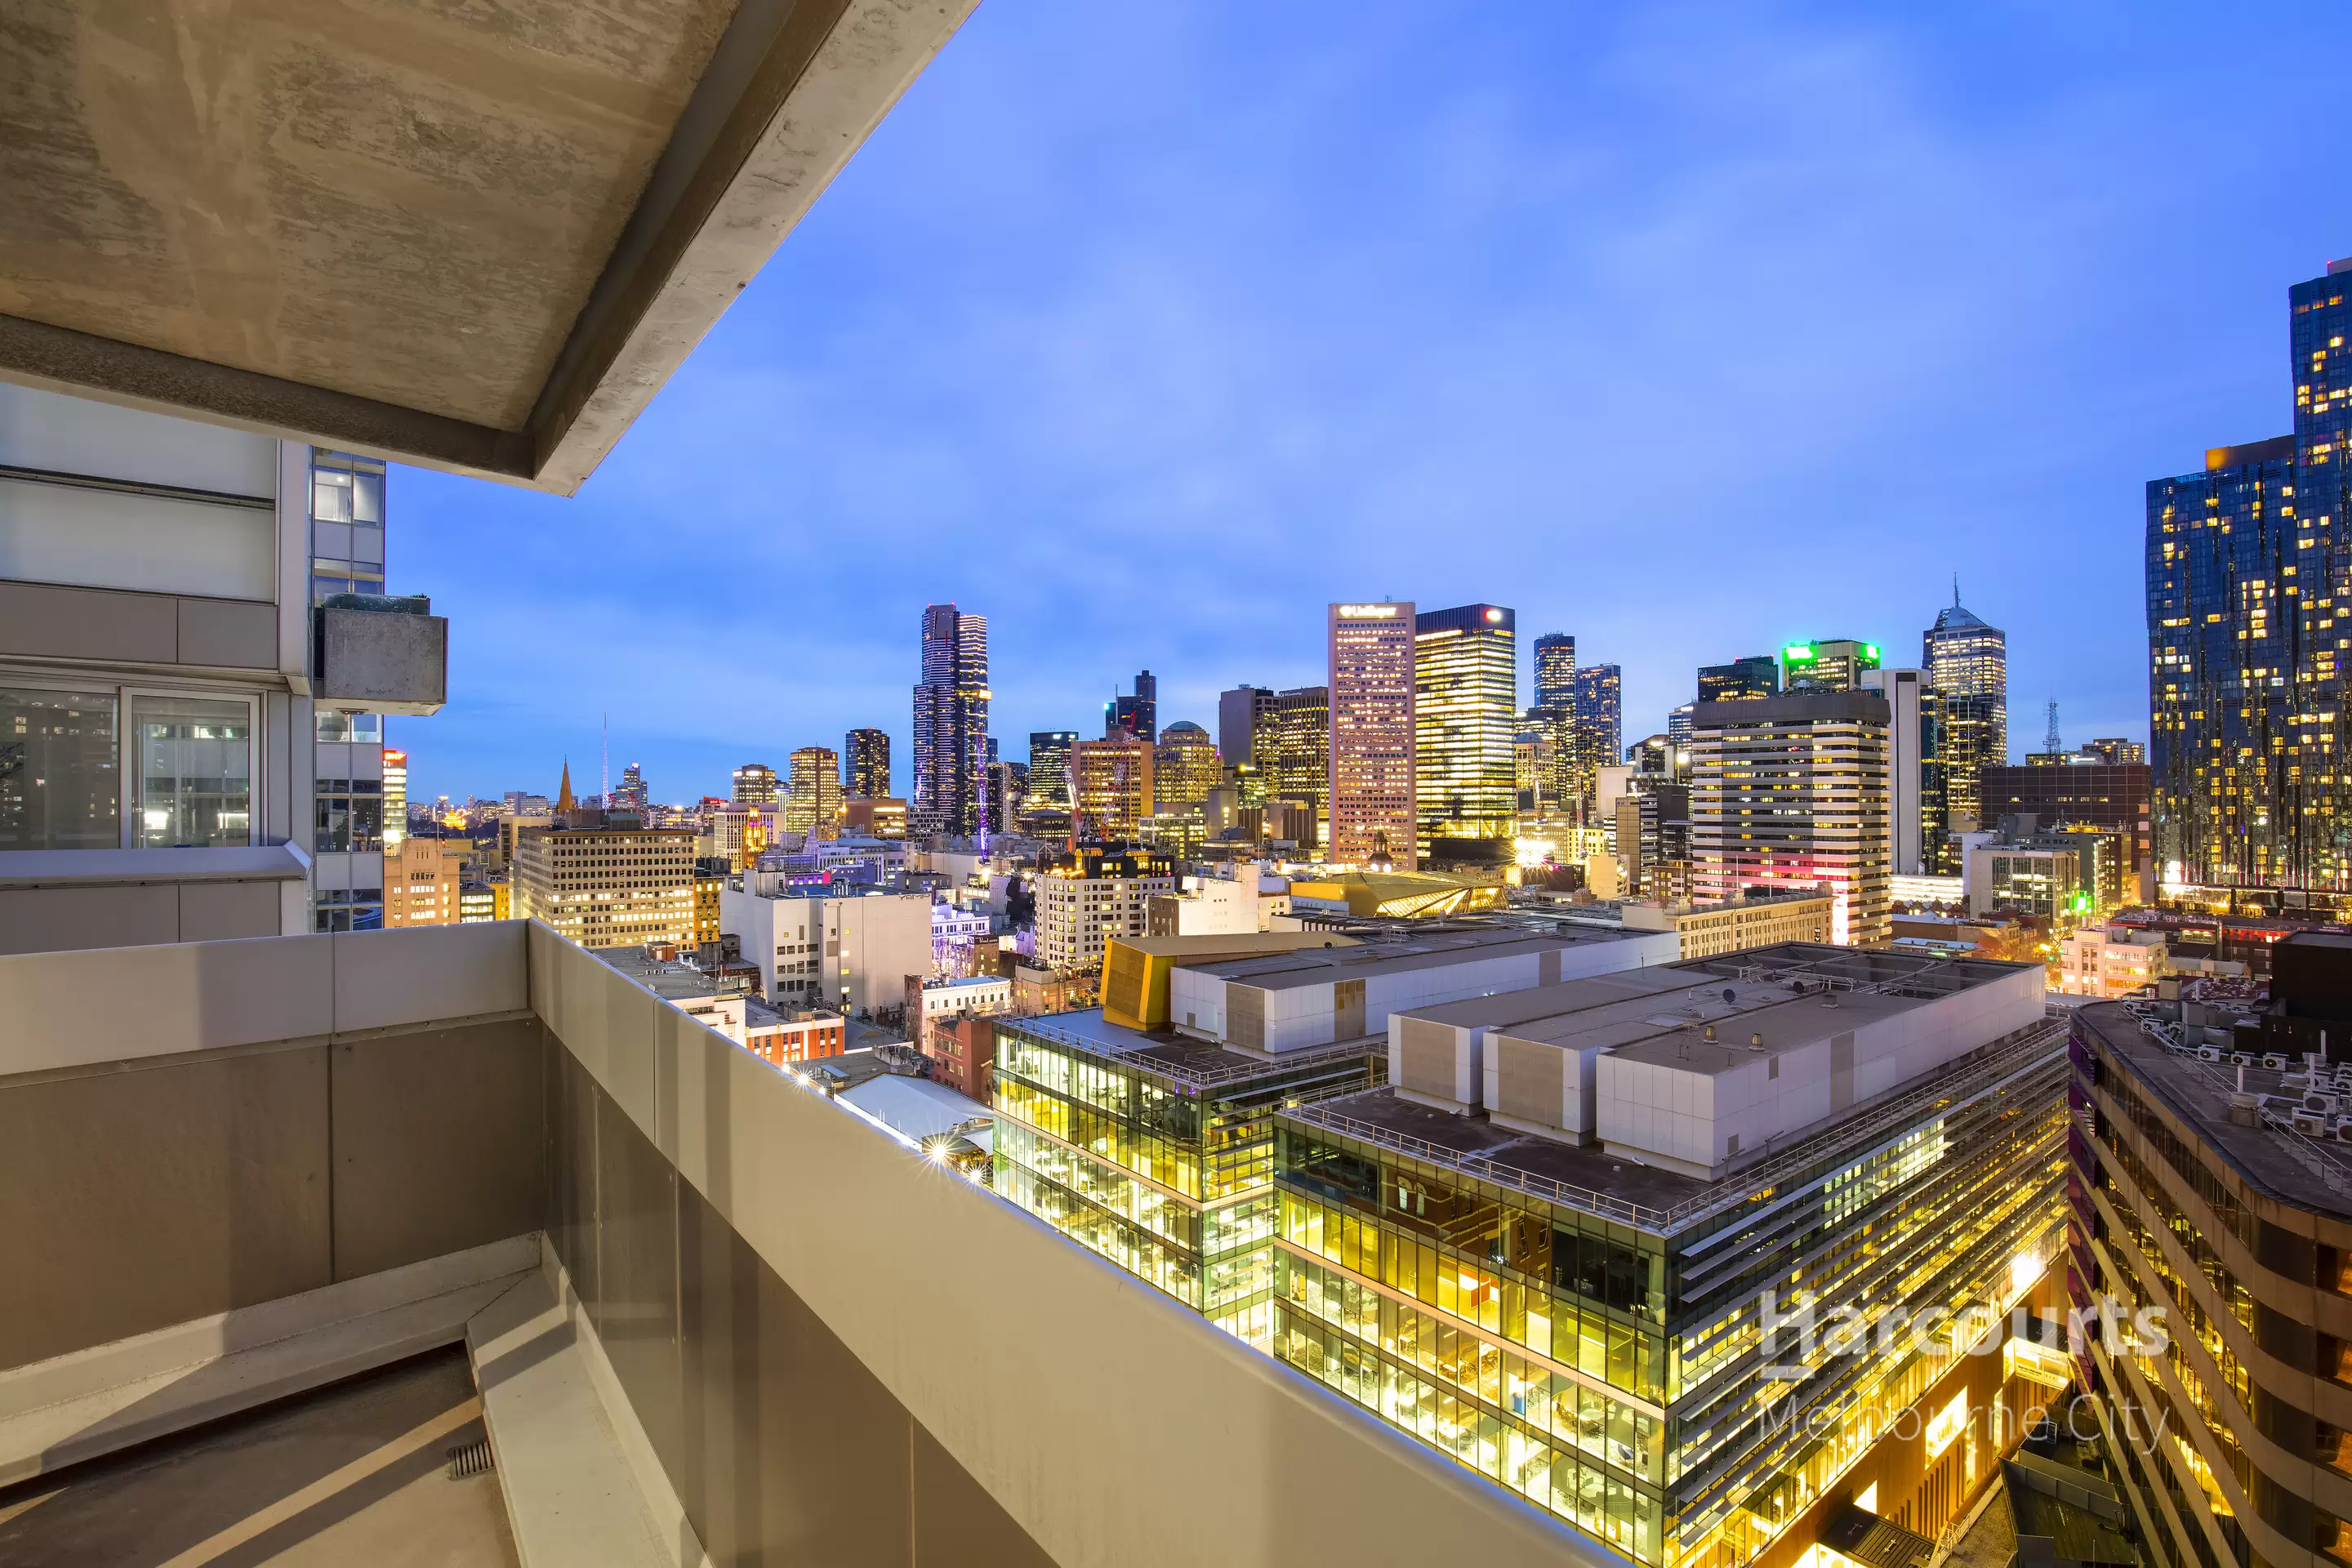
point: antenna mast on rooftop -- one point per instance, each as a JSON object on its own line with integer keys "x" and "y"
{"x": 2051, "y": 743}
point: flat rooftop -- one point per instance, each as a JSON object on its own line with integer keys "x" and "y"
{"x": 1195, "y": 1063}
{"x": 2304, "y": 1171}
{"x": 1773, "y": 1000}
{"x": 1321, "y": 966}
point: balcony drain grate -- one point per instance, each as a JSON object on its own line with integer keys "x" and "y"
{"x": 469, "y": 1459}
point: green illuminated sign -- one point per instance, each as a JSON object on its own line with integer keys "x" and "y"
{"x": 1870, "y": 649}
{"x": 1797, "y": 652}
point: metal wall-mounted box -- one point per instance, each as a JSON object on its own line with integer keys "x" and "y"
{"x": 374, "y": 654}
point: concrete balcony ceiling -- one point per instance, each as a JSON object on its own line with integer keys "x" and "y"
{"x": 477, "y": 238}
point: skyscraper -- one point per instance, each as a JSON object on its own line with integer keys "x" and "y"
{"x": 1372, "y": 740}
{"x": 1135, "y": 715}
{"x": 951, "y": 722}
{"x": 631, "y": 793}
{"x": 2246, "y": 564}
{"x": 1600, "y": 728}
{"x": 755, "y": 784}
{"x": 866, "y": 755}
{"x": 1967, "y": 662}
{"x": 1915, "y": 790}
{"x": 1300, "y": 771}
{"x": 1555, "y": 670}
{"x": 813, "y": 805}
{"x": 1111, "y": 789}
{"x": 1465, "y": 700}
{"x": 1240, "y": 713}
{"x": 1755, "y": 676}
{"x": 1792, "y": 791}
{"x": 1826, "y": 664}
{"x": 1049, "y": 767}
{"x": 1185, "y": 767}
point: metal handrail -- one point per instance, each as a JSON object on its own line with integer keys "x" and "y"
{"x": 2000, "y": 1057}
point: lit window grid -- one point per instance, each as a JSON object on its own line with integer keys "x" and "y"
{"x": 1940, "y": 1230}
{"x": 1465, "y": 728}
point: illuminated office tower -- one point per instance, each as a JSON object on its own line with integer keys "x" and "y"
{"x": 1555, "y": 671}
{"x": 395, "y": 797}
{"x": 631, "y": 793}
{"x": 1049, "y": 767}
{"x": 1006, "y": 794}
{"x": 1465, "y": 700}
{"x": 1185, "y": 767}
{"x": 1792, "y": 792}
{"x": 2248, "y": 564}
{"x": 867, "y": 759}
{"x": 1598, "y": 735}
{"x": 607, "y": 887}
{"x": 1242, "y": 714}
{"x": 1372, "y": 810}
{"x": 1968, "y": 662}
{"x": 350, "y": 823}
{"x": 1755, "y": 676}
{"x": 1111, "y": 789}
{"x": 1134, "y": 715}
{"x": 812, "y": 801}
{"x": 1300, "y": 771}
{"x": 951, "y": 722}
{"x": 755, "y": 784}
{"x": 1826, "y": 664}
{"x": 1915, "y": 771}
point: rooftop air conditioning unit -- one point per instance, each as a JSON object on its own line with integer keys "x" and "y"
{"x": 2273, "y": 1062}
{"x": 2310, "y": 1126}
{"x": 2319, "y": 1104}
{"x": 2343, "y": 1130}
{"x": 2209, "y": 1053}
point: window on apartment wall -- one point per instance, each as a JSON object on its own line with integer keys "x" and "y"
{"x": 59, "y": 784}
{"x": 74, "y": 775}
{"x": 195, "y": 772}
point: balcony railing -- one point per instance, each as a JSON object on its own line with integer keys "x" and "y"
{"x": 707, "y": 1310}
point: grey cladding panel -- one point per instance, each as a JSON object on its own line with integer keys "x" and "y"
{"x": 206, "y": 1189}
{"x": 439, "y": 1141}
{"x": 1426, "y": 1051}
{"x": 1244, "y": 1016}
{"x": 42, "y": 620}
{"x": 1841, "y": 1071}
{"x": 1529, "y": 1080}
{"x": 231, "y": 634}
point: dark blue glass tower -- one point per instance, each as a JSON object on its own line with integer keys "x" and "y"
{"x": 2247, "y": 570}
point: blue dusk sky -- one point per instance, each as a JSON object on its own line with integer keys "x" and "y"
{"x": 1686, "y": 328}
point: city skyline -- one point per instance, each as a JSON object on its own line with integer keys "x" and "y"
{"x": 1071, "y": 430}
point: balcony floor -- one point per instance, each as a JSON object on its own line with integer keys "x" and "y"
{"x": 353, "y": 1473}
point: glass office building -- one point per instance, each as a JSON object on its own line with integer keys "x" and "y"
{"x": 1465, "y": 703}
{"x": 1587, "y": 1330}
{"x": 1156, "y": 1149}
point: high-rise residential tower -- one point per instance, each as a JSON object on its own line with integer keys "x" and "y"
{"x": 1049, "y": 767}
{"x": 2248, "y": 563}
{"x": 866, "y": 759}
{"x": 813, "y": 802}
{"x": 1373, "y": 806}
{"x": 951, "y": 722}
{"x": 1466, "y": 702}
{"x": 1967, "y": 662}
{"x": 1241, "y": 714}
{"x": 1792, "y": 792}
{"x": 346, "y": 497}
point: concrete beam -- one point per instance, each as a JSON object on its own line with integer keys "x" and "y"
{"x": 265, "y": 315}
